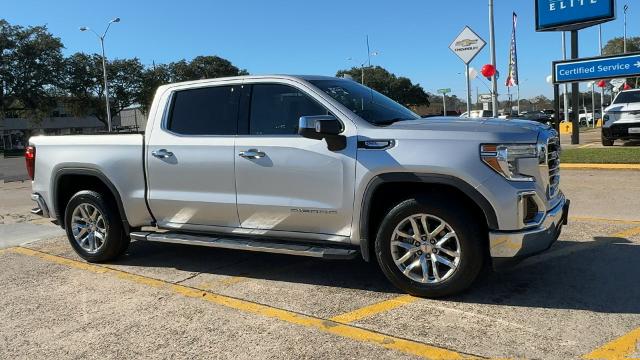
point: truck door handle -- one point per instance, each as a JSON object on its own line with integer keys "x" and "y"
{"x": 162, "y": 153}
{"x": 252, "y": 154}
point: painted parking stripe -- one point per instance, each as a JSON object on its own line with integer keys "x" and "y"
{"x": 328, "y": 326}
{"x": 627, "y": 233}
{"x": 373, "y": 309}
{"x": 576, "y": 166}
{"x": 619, "y": 348}
{"x": 604, "y": 220}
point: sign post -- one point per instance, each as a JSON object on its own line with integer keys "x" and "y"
{"x": 467, "y": 46}
{"x": 444, "y": 93}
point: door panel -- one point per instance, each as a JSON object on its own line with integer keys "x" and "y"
{"x": 298, "y": 184}
{"x": 195, "y": 185}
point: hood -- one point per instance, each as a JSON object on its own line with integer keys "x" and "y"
{"x": 484, "y": 129}
{"x": 622, "y": 113}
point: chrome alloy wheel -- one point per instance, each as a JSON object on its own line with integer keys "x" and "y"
{"x": 425, "y": 248}
{"x": 88, "y": 227}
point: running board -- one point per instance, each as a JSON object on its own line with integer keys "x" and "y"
{"x": 267, "y": 246}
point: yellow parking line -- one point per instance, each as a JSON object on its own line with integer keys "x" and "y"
{"x": 605, "y": 220}
{"x": 619, "y": 348}
{"x": 586, "y": 145}
{"x": 328, "y": 326}
{"x": 576, "y": 166}
{"x": 627, "y": 233}
{"x": 373, "y": 309}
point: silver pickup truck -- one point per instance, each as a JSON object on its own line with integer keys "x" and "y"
{"x": 311, "y": 166}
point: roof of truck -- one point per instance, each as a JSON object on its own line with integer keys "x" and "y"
{"x": 253, "y": 77}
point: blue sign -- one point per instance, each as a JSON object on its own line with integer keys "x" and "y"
{"x": 565, "y": 15}
{"x": 600, "y": 68}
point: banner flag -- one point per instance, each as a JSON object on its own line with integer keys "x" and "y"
{"x": 512, "y": 77}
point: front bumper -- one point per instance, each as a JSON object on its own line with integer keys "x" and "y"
{"x": 621, "y": 131}
{"x": 510, "y": 245}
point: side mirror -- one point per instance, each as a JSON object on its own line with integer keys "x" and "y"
{"x": 323, "y": 127}
{"x": 319, "y": 127}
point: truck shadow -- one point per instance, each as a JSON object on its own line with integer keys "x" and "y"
{"x": 599, "y": 276}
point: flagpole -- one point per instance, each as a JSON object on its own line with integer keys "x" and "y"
{"x": 518, "y": 97}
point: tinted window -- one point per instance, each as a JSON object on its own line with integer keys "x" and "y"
{"x": 365, "y": 102}
{"x": 276, "y": 109}
{"x": 205, "y": 111}
{"x": 628, "y": 97}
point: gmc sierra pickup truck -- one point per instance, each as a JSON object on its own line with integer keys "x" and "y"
{"x": 311, "y": 166}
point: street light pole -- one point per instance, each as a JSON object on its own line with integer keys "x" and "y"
{"x": 626, "y": 9}
{"x": 104, "y": 68}
{"x": 492, "y": 45}
{"x": 602, "y": 88}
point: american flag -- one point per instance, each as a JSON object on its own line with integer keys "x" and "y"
{"x": 512, "y": 77}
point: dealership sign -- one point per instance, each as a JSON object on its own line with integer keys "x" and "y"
{"x": 467, "y": 45}
{"x": 565, "y": 15}
{"x": 599, "y": 68}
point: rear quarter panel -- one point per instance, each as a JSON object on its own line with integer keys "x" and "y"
{"x": 118, "y": 157}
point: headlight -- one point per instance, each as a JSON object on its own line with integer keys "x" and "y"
{"x": 504, "y": 158}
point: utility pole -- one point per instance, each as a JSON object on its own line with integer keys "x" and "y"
{"x": 626, "y": 9}
{"x": 444, "y": 104}
{"x": 492, "y": 45}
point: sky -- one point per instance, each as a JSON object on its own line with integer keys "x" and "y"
{"x": 412, "y": 37}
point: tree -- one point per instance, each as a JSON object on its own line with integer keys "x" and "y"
{"x": 615, "y": 46}
{"x": 84, "y": 84}
{"x": 152, "y": 78}
{"x": 400, "y": 89}
{"x": 31, "y": 62}
{"x": 203, "y": 67}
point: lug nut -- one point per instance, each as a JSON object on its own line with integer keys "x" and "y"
{"x": 419, "y": 252}
{"x": 433, "y": 241}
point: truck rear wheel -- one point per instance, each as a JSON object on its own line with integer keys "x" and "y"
{"x": 94, "y": 227}
{"x": 607, "y": 142}
{"x": 430, "y": 247}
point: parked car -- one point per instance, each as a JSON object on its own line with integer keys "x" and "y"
{"x": 477, "y": 114}
{"x": 312, "y": 166}
{"x": 538, "y": 116}
{"x": 622, "y": 118}
{"x": 586, "y": 117}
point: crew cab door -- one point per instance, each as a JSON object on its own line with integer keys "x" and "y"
{"x": 190, "y": 159}
{"x": 286, "y": 182}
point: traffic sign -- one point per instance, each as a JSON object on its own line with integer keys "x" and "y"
{"x": 598, "y": 68}
{"x": 485, "y": 98}
{"x": 467, "y": 45}
{"x": 444, "y": 91}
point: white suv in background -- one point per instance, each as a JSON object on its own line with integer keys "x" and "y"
{"x": 622, "y": 118}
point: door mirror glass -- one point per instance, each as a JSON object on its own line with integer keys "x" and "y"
{"x": 319, "y": 127}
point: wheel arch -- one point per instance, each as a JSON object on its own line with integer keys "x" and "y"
{"x": 68, "y": 181}
{"x": 412, "y": 183}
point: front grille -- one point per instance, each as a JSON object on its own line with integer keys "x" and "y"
{"x": 553, "y": 161}
{"x": 622, "y": 130}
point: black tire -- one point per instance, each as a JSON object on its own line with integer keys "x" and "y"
{"x": 471, "y": 238}
{"x": 116, "y": 241}
{"x": 607, "y": 142}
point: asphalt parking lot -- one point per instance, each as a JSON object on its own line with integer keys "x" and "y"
{"x": 580, "y": 299}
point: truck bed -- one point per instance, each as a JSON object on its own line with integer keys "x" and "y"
{"x": 116, "y": 158}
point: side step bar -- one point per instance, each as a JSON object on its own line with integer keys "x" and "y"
{"x": 268, "y": 246}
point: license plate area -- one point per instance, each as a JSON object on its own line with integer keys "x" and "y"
{"x": 635, "y": 130}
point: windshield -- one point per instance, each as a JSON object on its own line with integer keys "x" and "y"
{"x": 365, "y": 102}
{"x": 628, "y": 97}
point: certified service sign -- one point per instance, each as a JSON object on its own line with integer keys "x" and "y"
{"x": 467, "y": 45}
{"x": 565, "y": 15}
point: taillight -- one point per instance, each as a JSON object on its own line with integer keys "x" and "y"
{"x": 30, "y": 159}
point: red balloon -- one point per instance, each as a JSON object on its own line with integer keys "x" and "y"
{"x": 488, "y": 70}
{"x": 602, "y": 83}
{"x": 627, "y": 86}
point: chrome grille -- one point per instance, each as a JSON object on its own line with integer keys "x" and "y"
{"x": 553, "y": 161}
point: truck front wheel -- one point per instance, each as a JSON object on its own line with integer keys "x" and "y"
{"x": 430, "y": 247}
{"x": 94, "y": 227}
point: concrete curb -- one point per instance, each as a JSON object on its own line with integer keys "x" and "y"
{"x": 571, "y": 166}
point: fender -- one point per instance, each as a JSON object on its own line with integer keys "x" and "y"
{"x": 87, "y": 172}
{"x": 470, "y": 191}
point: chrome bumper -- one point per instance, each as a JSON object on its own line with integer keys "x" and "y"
{"x": 528, "y": 242}
{"x": 42, "y": 209}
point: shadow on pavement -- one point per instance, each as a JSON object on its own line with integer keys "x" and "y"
{"x": 600, "y": 276}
